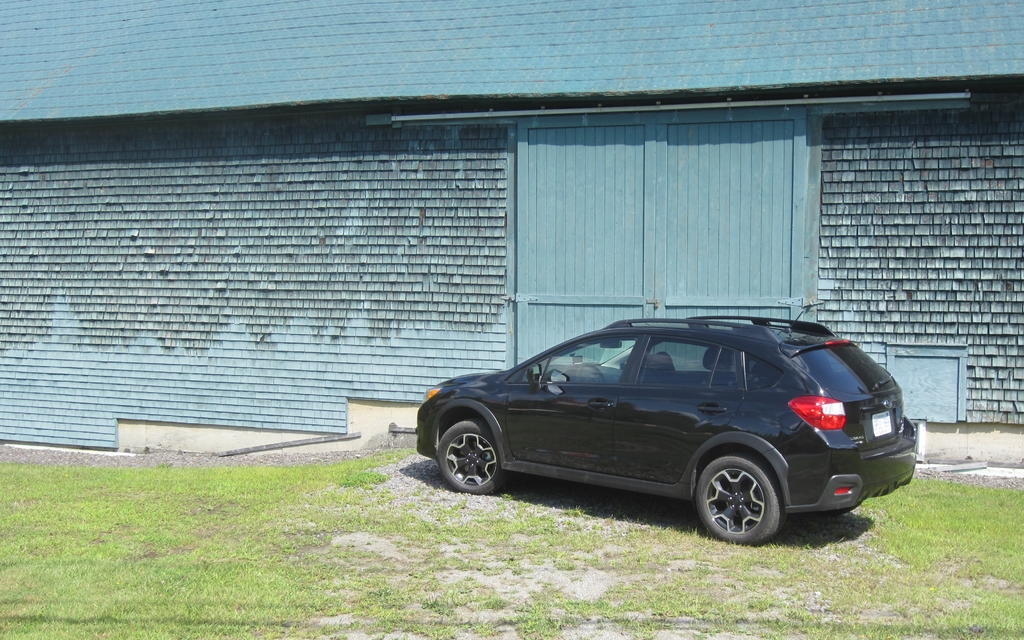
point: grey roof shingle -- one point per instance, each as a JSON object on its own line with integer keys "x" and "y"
{"x": 69, "y": 59}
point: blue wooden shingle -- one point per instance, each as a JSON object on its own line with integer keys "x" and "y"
{"x": 198, "y": 295}
{"x": 921, "y": 228}
{"x": 105, "y": 57}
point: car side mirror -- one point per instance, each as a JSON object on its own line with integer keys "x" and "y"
{"x": 532, "y": 378}
{"x": 555, "y": 378}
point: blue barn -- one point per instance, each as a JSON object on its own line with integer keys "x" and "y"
{"x": 241, "y": 223}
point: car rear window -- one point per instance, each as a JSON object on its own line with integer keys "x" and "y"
{"x": 845, "y": 368}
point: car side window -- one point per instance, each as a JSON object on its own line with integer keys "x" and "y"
{"x": 760, "y": 374}
{"x": 593, "y": 361}
{"x": 726, "y": 374}
{"x": 678, "y": 363}
{"x": 523, "y": 375}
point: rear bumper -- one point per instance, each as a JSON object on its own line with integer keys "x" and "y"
{"x": 862, "y": 477}
{"x": 849, "y": 490}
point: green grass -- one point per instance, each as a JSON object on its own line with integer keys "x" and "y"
{"x": 321, "y": 551}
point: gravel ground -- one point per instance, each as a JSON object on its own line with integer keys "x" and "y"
{"x": 978, "y": 480}
{"x": 51, "y": 456}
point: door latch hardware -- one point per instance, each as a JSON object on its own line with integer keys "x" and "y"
{"x": 655, "y": 302}
{"x": 519, "y": 297}
{"x": 711, "y": 408}
{"x": 801, "y": 302}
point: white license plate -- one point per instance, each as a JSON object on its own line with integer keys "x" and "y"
{"x": 881, "y": 424}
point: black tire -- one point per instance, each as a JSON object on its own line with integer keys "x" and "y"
{"x": 468, "y": 459}
{"x": 737, "y": 499}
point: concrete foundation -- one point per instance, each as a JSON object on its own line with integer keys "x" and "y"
{"x": 996, "y": 443}
{"x": 1000, "y": 443}
{"x": 371, "y": 420}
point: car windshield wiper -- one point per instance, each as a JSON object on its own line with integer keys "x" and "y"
{"x": 880, "y": 384}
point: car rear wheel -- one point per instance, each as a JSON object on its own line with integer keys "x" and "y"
{"x": 468, "y": 460}
{"x": 738, "y": 501}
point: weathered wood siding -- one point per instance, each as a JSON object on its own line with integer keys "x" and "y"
{"x": 242, "y": 272}
{"x": 922, "y": 240}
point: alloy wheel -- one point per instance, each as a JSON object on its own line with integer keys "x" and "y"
{"x": 471, "y": 459}
{"x": 735, "y": 501}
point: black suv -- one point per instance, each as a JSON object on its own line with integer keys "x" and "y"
{"x": 750, "y": 418}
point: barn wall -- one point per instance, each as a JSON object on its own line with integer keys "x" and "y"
{"x": 922, "y": 243}
{"x": 252, "y": 273}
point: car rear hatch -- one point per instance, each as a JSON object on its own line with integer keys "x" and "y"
{"x": 872, "y": 401}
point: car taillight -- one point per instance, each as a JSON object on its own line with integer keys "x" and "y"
{"x": 819, "y": 412}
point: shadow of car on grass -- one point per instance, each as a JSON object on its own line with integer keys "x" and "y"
{"x": 809, "y": 530}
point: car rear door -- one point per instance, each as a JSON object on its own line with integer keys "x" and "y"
{"x": 685, "y": 392}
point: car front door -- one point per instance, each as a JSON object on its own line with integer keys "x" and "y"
{"x": 685, "y": 392}
{"x": 563, "y": 409}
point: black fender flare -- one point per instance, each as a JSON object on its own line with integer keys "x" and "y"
{"x": 749, "y": 440}
{"x": 479, "y": 408}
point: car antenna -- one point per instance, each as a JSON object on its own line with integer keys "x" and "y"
{"x": 811, "y": 303}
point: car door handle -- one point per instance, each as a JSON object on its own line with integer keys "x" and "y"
{"x": 597, "y": 404}
{"x": 711, "y": 408}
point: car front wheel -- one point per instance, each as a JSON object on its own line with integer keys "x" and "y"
{"x": 468, "y": 460}
{"x": 738, "y": 501}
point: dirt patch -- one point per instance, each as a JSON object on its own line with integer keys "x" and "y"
{"x": 369, "y": 543}
{"x": 518, "y": 586}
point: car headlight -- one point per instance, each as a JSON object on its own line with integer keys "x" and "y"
{"x": 431, "y": 393}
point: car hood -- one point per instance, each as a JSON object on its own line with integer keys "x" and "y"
{"x": 470, "y": 378}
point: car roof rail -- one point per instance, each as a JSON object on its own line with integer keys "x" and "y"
{"x": 679, "y": 322}
{"x": 800, "y": 326}
{"x": 632, "y": 322}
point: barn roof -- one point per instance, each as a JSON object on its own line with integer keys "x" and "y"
{"x": 68, "y": 59}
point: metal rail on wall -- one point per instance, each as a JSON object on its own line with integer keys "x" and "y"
{"x": 955, "y": 100}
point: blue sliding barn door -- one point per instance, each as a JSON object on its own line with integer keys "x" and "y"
{"x": 725, "y": 219}
{"x": 657, "y": 215}
{"x": 580, "y": 233}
